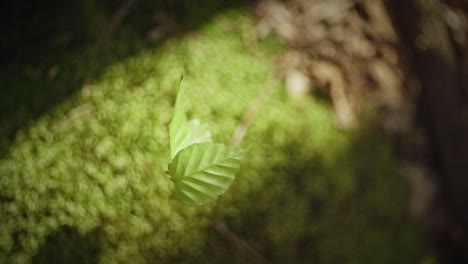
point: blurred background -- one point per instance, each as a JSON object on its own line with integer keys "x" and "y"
{"x": 354, "y": 114}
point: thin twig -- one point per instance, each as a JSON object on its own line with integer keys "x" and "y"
{"x": 238, "y": 135}
{"x": 251, "y": 112}
{"x": 117, "y": 18}
{"x": 244, "y": 248}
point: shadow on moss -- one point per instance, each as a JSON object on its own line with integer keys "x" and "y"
{"x": 352, "y": 209}
{"x": 67, "y": 245}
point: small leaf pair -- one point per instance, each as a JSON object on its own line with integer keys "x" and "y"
{"x": 201, "y": 169}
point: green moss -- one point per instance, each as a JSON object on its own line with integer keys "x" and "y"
{"x": 91, "y": 172}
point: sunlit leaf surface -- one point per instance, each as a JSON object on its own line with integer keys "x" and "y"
{"x": 204, "y": 171}
{"x": 178, "y": 128}
{"x": 198, "y": 133}
{"x": 184, "y": 133}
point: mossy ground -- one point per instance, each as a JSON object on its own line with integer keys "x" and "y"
{"x": 85, "y": 181}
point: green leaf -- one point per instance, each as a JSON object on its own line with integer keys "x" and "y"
{"x": 198, "y": 132}
{"x": 183, "y": 133}
{"x": 203, "y": 171}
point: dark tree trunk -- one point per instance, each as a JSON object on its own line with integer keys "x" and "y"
{"x": 439, "y": 66}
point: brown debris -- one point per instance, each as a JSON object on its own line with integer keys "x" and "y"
{"x": 348, "y": 47}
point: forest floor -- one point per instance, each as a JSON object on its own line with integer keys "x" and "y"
{"x": 84, "y": 145}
